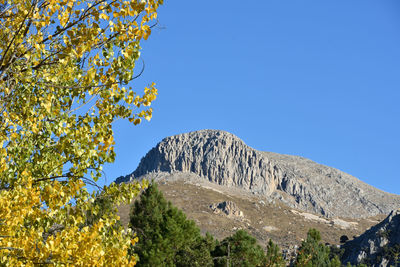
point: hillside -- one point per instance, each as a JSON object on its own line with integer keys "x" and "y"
{"x": 222, "y": 158}
{"x": 287, "y": 227}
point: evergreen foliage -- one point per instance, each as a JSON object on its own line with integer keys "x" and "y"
{"x": 274, "y": 257}
{"x": 391, "y": 253}
{"x": 313, "y": 253}
{"x": 166, "y": 237}
{"x": 240, "y": 249}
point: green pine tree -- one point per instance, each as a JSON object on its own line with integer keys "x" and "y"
{"x": 312, "y": 253}
{"x": 240, "y": 249}
{"x": 166, "y": 236}
{"x": 274, "y": 257}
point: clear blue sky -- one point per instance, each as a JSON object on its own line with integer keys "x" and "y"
{"x": 319, "y": 79}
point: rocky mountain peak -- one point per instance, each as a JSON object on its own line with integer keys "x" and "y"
{"x": 181, "y": 153}
{"x": 221, "y": 157}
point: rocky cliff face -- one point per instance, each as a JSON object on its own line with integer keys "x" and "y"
{"x": 222, "y": 158}
{"x": 378, "y": 246}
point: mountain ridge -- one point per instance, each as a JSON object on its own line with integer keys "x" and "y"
{"x": 223, "y": 158}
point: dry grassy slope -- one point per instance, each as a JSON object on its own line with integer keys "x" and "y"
{"x": 194, "y": 198}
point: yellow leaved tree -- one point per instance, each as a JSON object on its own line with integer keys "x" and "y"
{"x": 65, "y": 73}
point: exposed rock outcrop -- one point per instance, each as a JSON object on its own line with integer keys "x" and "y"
{"x": 223, "y": 158}
{"x": 378, "y": 246}
{"x": 227, "y": 207}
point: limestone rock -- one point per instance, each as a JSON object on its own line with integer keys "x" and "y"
{"x": 227, "y": 207}
{"x": 223, "y": 158}
{"x": 378, "y": 246}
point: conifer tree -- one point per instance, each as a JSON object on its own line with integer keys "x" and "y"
{"x": 240, "y": 249}
{"x": 167, "y": 237}
{"x": 313, "y": 253}
{"x": 274, "y": 257}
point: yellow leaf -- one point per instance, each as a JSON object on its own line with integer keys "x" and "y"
{"x": 104, "y": 16}
{"x": 47, "y": 106}
{"x": 137, "y": 121}
{"x": 63, "y": 97}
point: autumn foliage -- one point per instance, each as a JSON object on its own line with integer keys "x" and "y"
{"x": 65, "y": 76}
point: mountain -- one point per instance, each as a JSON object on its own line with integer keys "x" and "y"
{"x": 378, "y": 246}
{"x": 222, "y": 158}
